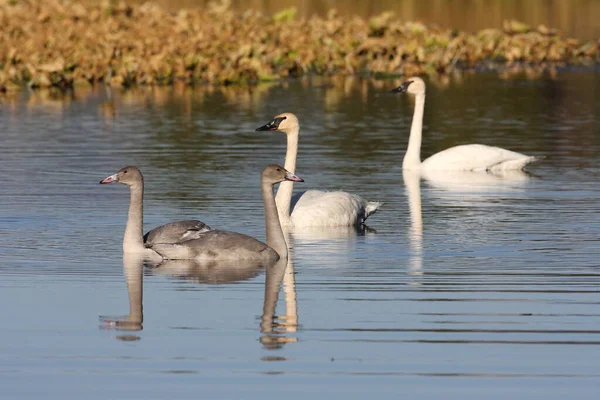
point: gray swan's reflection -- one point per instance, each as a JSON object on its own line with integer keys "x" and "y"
{"x": 208, "y": 272}
{"x": 204, "y": 273}
{"x": 133, "y": 265}
{"x": 272, "y": 326}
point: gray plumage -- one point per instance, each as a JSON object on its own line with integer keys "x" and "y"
{"x": 217, "y": 244}
{"x": 177, "y": 231}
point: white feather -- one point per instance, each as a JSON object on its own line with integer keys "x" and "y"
{"x": 476, "y": 157}
{"x": 319, "y": 208}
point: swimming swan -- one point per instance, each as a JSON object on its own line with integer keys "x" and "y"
{"x": 233, "y": 246}
{"x": 469, "y": 157}
{"x": 133, "y": 241}
{"x": 313, "y": 207}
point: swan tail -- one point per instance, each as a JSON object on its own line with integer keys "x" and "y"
{"x": 372, "y": 207}
{"x": 514, "y": 164}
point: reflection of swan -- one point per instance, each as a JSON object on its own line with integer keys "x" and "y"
{"x": 463, "y": 182}
{"x": 313, "y": 207}
{"x": 470, "y": 157}
{"x": 458, "y": 187}
{"x": 412, "y": 182}
{"x": 132, "y": 268}
{"x": 321, "y": 233}
{"x": 133, "y": 241}
{"x": 272, "y": 326}
{"x": 209, "y": 272}
{"x": 233, "y": 246}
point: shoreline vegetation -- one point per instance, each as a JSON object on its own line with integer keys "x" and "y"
{"x": 65, "y": 44}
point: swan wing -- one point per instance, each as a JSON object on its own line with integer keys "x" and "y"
{"x": 177, "y": 231}
{"x": 476, "y": 157}
{"x": 216, "y": 245}
{"x": 335, "y": 208}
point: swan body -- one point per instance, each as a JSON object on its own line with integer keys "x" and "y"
{"x": 470, "y": 157}
{"x": 476, "y": 157}
{"x": 218, "y": 245}
{"x": 313, "y": 207}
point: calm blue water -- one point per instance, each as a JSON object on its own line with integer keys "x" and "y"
{"x": 466, "y": 286}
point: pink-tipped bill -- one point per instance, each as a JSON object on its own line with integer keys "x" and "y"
{"x": 109, "y": 179}
{"x": 291, "y": 177}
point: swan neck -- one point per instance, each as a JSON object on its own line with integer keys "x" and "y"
{"x": 284, "y": 193}
{"x": 412, "y": 158}
{"x": 274, "y": 233}
{"x": 134, "y": 238}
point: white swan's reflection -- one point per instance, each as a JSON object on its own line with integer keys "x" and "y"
{"x": 458, "y": 187}
{"x": 133, "y": 265}
{"x": 332, "y": 246}
{"x": 476, "y": 184}
{"x": 412, "y": 183}
{"x": 320, "y": 233}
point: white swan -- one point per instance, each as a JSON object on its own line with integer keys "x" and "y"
{"x": 232, "y": 246}
{"x": 313, "y": 207}
{"x": 133, "y": 241}
{"x": 469, "y": 157}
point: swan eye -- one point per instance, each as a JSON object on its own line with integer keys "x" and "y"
{"x": 125, "y": 171}
{"x": 278, "y": 169}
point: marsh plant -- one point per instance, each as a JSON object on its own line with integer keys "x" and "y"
{"x": 61, "y": 43}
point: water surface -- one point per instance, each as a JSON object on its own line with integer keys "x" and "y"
{"x": 464, "y": 286}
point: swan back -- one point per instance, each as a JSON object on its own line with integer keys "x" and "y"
{"x": 177, "y": 231}
{"x": 476, "y": 157}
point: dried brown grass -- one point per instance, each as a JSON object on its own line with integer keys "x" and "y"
{"x": 61, "y": 43}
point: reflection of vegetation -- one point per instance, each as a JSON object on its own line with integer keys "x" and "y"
{"x": 58, "y": 43}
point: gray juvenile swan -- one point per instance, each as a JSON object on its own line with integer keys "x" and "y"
{"x": 232, "y": 246}
{"x": 173, "y": 232}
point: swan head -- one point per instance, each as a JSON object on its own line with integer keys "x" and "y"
{"x": 286, "y": 123}
{"x": 274, "y": 173}
{"x": 414, "y": 85}
{"x": 129, "y": 175}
